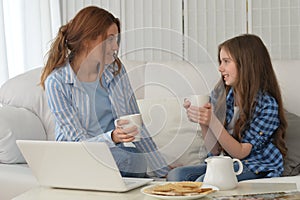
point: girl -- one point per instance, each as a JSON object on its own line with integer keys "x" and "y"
{"x": 255, "y": 124}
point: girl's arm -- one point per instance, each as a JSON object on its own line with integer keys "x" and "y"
{"x": 210, "y": 141}
{"x": 205, "y": 117}
{"x": 229, "y": 143}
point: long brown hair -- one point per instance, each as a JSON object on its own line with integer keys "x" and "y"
{"x": 256, "y": 75}
{"x": 88, "y": 24}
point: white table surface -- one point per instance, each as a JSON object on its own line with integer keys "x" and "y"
{"x": 45, "y": 193}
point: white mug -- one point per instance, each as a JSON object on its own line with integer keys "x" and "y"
{"x": 133, "y": 120}
{"x": 198, "y": 100}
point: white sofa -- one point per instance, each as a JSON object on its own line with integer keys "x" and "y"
{"x": 160, "y": 89}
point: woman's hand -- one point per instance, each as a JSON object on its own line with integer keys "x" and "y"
{"x": 121, "y": 134}
{"x": 201, "y": 115}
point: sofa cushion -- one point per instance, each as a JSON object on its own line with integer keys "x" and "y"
{"x": 17, "y": 123}
{"x": 292, "y": 160}
{"x": 136, "y": 73}
{"x": 178, "y": 78}
{"x": 24, "y": 91}
{"x": 287, "y": 72}
{"x": 178, "y": 139}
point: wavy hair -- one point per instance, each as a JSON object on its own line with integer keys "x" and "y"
{"x": 256, "y": 74}
{"x": 88, "y": 24}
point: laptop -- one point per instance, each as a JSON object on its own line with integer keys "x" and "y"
{"x": 76, "y": 165}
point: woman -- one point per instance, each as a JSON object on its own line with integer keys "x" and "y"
{"x": 255, "y": 124}
{"x": 87, "y": 89}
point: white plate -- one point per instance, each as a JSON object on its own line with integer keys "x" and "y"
{"x": 177, "y": 197}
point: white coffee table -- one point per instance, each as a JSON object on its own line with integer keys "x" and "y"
{"x": 45, "y": 193}
{"x": 57, "y": 194}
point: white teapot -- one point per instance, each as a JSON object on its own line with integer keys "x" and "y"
{"x": 220, "y": 172}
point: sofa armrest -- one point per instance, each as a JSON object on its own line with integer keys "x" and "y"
{"x": 24, "y": 91}
{"x": 17, "y": 123}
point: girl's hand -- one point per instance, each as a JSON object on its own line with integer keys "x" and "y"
{"x": 121, "y": 134}
{"x": 186, "y": 103}
{"x": 201, "y": 115}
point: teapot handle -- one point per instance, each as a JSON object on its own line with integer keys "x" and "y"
{"x": 240, "y": 166}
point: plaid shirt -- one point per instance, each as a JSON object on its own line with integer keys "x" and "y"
{"x": 264, "y": 155}
{"x": 69, "y": 103}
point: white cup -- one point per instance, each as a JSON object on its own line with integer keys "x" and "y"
{"x": 198, "y": 100}
{"x": 133, "y": 120}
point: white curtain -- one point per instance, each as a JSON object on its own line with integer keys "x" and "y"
{"x": 26, "y": 29}
{"x": 3, "y": 57}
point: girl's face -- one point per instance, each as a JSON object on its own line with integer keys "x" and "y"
{"x": 228, "y": 68}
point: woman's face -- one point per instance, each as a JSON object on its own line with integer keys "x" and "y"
{"x": 103, "y": 50}
{"x": 228, "y": 68}
{"x": 111, "y": 44}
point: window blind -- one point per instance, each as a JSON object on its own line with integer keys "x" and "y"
{"x": 208, "y": 23}
{"x": 151, "y": 30}
{"x": 192, "y": 29}
{"x": 278, "y": 24}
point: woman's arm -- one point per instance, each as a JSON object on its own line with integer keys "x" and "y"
{"x": 66, "y": 116}
{"x": 156, "y": 161}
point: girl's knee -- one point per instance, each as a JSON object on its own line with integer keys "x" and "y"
{"x": 186, "y": 173}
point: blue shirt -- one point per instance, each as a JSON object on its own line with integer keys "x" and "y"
{"x": 69, "y": 103}
{"x": 100, "y": 112}
{"x": 264, "y": 155}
